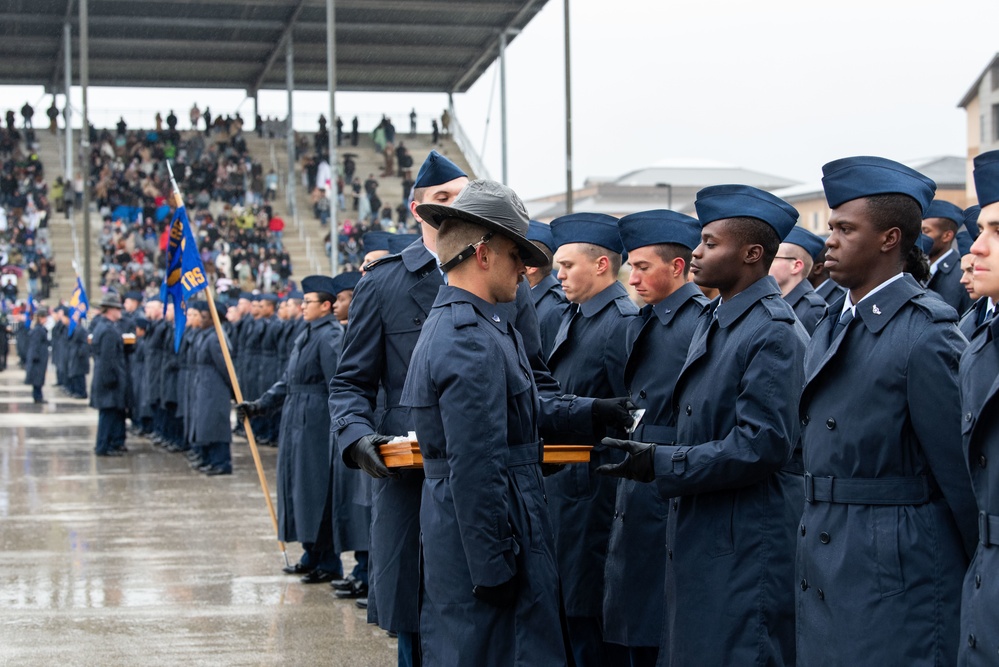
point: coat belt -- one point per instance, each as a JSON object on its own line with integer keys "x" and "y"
{"x": 308, "y": 389}
{"x": 879, "y": 491}
{"x": 661, "y": 435}
{"x": 519, "y": 455}
{"x": 988, "y": 529}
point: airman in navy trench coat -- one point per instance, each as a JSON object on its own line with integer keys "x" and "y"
{"x": 588, "y": 360}
{"x": 305, "y": 456}
{"x": 979, "y": 639}
{"x": 483, "y": 514}
{"x": 730, "y": 548}
{"x": 78, "y": 361}
{"x": 387, "y": 312}
{"x": 210, "y": 398}
{"x": 974, "y": 320}
{"x": 880, "y": 408}
{"x": 657, "y": 343}
{"x": 37, "y": 358}
{"x": 946, "y": 282}
{"x": 108, "y": 386}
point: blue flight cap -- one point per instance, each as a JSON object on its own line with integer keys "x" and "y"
{"x": 987, "y": 178}
{"x": 249, "y": 296}
{"x": 596, "y": 228}
{"x": 659, "y": 226}
{"x": 924, "y": 243}
{"x": 863, "y": 176}
{"x": 964, "y": 242}
{"x": 200, "y": 306}
{"x": 399, "y": 242}
{"x": 135, "y": 296}
{"x": 437, "y": 169}
{"x": 375, "y": 241}
{"x": 718, "y": 202}
{"x": 295, "y": 294}
{"x": 939, "y": 208}
{"x": 273, "y": 298}
{"x": 812, "y": 243}
{"x": 319, "y": 284}
{"x": 345, "y": 281}
{"x": 542, "y": 233}
{"x": 971, "y": 220}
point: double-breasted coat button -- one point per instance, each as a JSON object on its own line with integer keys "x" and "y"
{"x": 688, "y": 411}
{"x": 642, "y": 394}
{"x": 802, "y": 530}
{"x": 824, "y": 538}
{"x": 616, "y": 515}
{"x": 804, "y": 420}
{"x": 830, "y": 423}
{"x": 967, "y": 417}
{"x": 978, "y": 581}
{"x": 982, "y": 460}
{"x": 804, "y": 584}
{"x": 822, "y": 595}
{"x": 971, "y": 641}
{"x": 416, "y": 320}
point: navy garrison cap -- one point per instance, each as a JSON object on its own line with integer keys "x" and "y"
{"x": 437, "y": 169}
{"x": 939, "y": 208}
{"x": 135, "y": 296}
{"x": 542, "y": 233}
{"x": 964, "y": 242}
{"x": 659, "y": 226}
{"x": 142, "y": 322}
{"x": 924, "y": 243}
{"x": 718, "y": 202}
{"x": 375, "y": 241}
{"x": 812, "y": 243}
{"x": 295, "y": 294}
{"x": 987, "y": 178}
{"x": 319, "y": 284}
{"x": 273, "y": 298}
{"x": 855, "y": 177}
{"x": 200, "y": 306}
{"x": 596, "y": 228}
{"x": 971, "y": 220}
{"x": 345, "y": 281}
{"x": 399, "y": 242}
{"x": 246, "y": 295}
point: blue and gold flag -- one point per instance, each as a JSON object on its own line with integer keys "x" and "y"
{"x": 29, "y": 312}
{"x": 185, "y": 274}
{"x": 78, "y": 305}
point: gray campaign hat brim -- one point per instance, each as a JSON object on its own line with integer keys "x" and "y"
{"x": 493, "y": 206}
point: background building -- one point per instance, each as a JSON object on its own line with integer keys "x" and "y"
{"x": 982, "y": 104}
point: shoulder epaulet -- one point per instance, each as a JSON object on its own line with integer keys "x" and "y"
{"x": 463, "y": 315}
{"x": 778, "y": 309}
{"x": 815, "y": 300}
{"x": 382, "y": 260}
{"x": 937, "y": 309}
{"x": 626, "y": 306}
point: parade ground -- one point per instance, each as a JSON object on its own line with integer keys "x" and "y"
{"x": 138, "y": 560}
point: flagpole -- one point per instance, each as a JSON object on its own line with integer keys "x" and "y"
{"x": 179, "y": 201}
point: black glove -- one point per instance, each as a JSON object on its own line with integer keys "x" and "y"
{"x": 365, "y": 454}
{"x": 248, "y": 409}
{"x": 503, "y": 595}
{"x": 549, "y": 469}
{"x": 638, "y": 465}
{"x": 613, "y": 412}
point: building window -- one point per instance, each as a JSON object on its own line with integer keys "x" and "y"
{"x": 995, "y": 122}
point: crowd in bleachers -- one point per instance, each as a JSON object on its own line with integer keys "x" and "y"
{"x": 26, "y": 207}
{"x": 226, "y": 194}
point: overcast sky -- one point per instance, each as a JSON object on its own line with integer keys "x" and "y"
{"x": 778, "y": 86}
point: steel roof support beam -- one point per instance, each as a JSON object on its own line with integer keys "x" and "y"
{"x": 276, "y": 51}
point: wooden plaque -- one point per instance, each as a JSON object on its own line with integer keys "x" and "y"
{"x": 407, "y": 454}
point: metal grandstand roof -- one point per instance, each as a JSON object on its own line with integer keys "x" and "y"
{"x": 382, "y": 45}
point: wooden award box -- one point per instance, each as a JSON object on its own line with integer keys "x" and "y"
{"x": 406, "y": 454}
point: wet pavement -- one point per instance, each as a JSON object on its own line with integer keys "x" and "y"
{"x": 139, "y": 560}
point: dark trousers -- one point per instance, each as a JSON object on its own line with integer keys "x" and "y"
{"x": 360, "y": 571}
{"x": 110, "y": 430}
{"x": 586, "y": 638}
{"x": 77, "y": 386}
{"x": 173, "y": 426}
{"x": 409, "y": 649}
{"x": 217, "y": 455}
{"x": 36, "y": 393}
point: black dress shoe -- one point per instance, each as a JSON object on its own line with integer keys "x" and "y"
{"x": 358, "y": 590}
{"x": 111, "y": 452}
{"x": 214, "y": 471}
{"x": 318, "y": 576}
{"x": 362, "y": 603}
{"x": 297, "y": 568}
{"x": 344, "y": 584}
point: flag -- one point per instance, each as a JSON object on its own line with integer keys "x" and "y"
{"x": 29, "y": 312}
{"x": 185, "y": 274}
{"x": 78, "y": 305}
